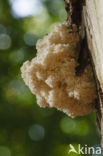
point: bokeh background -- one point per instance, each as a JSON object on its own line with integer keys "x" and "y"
{"x": 25, "y": 128}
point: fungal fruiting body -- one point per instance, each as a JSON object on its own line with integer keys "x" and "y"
{"x": 51, "y": 75}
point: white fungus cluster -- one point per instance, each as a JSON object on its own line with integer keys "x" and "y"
{"x": 51, "y": 75}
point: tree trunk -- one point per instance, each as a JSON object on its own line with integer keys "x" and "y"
{"x": 89, "y": 14}
{"x": 93, "y": 17}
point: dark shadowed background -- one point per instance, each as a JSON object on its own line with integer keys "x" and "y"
{"x": 25, "y": 128}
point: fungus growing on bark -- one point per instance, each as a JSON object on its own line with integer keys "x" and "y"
{"x": 51, "y": 75}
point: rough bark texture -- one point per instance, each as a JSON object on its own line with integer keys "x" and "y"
{"x": 92, "y": 22}
{"x": 93, "y": 17}
{"x": 74, "y": 11}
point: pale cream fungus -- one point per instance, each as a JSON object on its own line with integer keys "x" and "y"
{"x": 51, "y": 74}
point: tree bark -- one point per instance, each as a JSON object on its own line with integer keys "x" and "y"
{"x": 88, "y": 15}
{"x": 93, "y": 19}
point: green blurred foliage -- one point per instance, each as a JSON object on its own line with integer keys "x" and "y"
{"x": 25, "y": 128}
